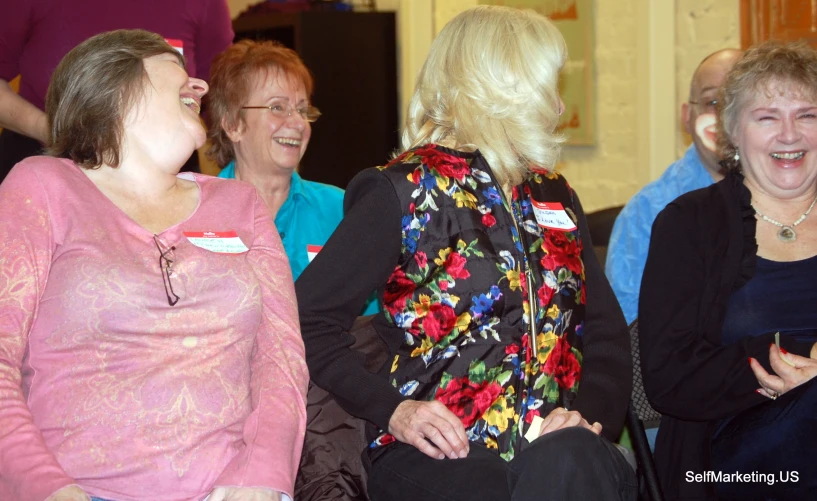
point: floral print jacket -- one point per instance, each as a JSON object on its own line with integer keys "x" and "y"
{"x": 462, "y": 296}
{"x": 475, "y": 276}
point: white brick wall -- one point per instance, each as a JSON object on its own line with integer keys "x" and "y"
{"x": 702, "y": 27}
{"x": 607, "y": 174}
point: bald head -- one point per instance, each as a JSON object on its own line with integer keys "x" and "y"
{"x": 703, "y": 91}
{"x": 711, "y": 72}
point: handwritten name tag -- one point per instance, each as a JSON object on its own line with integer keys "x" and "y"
{"x": 223, "y": 242}
{"x": 552, "y": 215}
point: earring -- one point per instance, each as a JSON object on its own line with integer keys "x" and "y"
{"x": 737, "y": 156}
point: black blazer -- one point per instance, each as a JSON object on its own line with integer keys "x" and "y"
{"x": 702, "y": 249}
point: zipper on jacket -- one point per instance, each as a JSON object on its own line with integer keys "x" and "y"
{"x": 532, "y": 309}
{"x": 522, "y": 385}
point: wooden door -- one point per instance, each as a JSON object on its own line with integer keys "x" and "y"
{"x": 786, "y": 20}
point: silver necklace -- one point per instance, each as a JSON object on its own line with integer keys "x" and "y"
{"x": 786, "y": 233}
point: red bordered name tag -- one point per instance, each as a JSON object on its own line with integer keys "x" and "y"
{"x": 552, "y": 215}
{"x": 312, "y": 251}
{"x": 176, "y": 44}
{"x": 223, "y": 242}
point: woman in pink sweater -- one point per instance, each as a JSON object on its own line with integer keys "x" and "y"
{"x": 149, "y": 340}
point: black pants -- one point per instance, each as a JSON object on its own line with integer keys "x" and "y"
{"x": 775, "y": 444}
{"x": 565, "y": 465}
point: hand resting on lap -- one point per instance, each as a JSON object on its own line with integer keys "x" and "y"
{"x": 415, "y": 421}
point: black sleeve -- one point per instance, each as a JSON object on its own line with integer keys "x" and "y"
{"x": 687, "y": 374}
{"x": 357, "y": 260}
{"x": 607, "y": 365}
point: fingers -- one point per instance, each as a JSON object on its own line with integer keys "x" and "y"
{"x": 442, "y": 434}
{"x": 560, "y": 418}
{"x": 785, "y": 363}
{"x": 457, "y": 437}
{"x": 418, "y": 440}
{"x": 431, "y": 428}
{"x": 772, "y": 395}
{"x": 772, "y": 385}
{"x": 757, "y": 369}
{"x": 549, "y": 419}
{"x": 595, "y": 428}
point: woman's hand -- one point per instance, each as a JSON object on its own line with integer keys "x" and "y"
{"x": 561, "y": 418}
{"x": 69, "y": 493}
{"x": 244, "y": 494}
{"x": 787, "y": 376}
{"x": 431, "y": 428}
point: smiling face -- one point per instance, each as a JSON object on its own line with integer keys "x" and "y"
{"x": 266, "y": 141}
{"x": 777, "y": 139}
{"x": 164, "y": 125}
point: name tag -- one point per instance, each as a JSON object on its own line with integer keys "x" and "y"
{"x": 176, "y": 44}
{"x": 312, "y": 251}
{"x": 222, "y": 242}
{"x": 552, "y": 215}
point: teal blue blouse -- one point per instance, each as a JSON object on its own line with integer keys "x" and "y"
{"x": 308, "y": 217}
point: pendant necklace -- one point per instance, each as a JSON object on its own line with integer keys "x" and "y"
{"x": 786, "y": 233}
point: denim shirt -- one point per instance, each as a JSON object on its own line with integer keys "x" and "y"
{"x": 630, "y": 240}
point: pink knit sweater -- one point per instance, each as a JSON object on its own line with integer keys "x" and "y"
{"x": 103, "y": 384}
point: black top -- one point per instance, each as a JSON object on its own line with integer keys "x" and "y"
{"x": 702, "y": 249}
{"x": 779, "y": 298}
{"x": 360, "y": 257}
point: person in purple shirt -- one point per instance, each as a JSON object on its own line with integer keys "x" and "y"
{"x": 36, "y": 34}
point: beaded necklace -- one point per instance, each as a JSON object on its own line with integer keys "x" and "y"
{"x": 786, "y": 233}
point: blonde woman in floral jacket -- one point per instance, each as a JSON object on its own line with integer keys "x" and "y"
{"x": 509, "y": 367}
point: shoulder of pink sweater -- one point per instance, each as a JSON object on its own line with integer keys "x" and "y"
{"x": 42, "y": 164}
{"x": 52, "y": 174}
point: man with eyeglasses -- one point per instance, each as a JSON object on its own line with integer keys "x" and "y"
{"x": 698, "y": 168}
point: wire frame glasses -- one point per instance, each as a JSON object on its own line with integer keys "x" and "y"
{"x": 167, "y": 255}
{"x": 708, "y": 105}
{"x": 283, "y": 110}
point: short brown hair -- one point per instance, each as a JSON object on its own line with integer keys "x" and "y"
{"x": 232, "y": 75}
{"x": 91, "y": 91}
{"x": 792, "y": 64}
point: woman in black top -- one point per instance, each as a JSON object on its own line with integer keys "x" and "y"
{"x": 509, "y": 370}
{"x": 730, "y": 271}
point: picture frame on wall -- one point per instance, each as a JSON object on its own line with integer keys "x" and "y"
{"x": 574, "y": 18}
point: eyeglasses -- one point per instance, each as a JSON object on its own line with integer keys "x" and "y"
{"x": 710, "y": 105}
{"x": 284, "y": 110}
{"x": 166, "y": 258}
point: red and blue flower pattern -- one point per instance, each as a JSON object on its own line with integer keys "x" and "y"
{"x": 460, "y": 296}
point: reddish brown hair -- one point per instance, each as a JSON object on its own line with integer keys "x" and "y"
{"x": 91, "y": 91}
{"x": 232, "y": 76}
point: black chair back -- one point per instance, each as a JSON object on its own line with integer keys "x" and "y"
{"x": 638, "y": 412}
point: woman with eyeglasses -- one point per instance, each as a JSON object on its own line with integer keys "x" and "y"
{"x": 149, "y": 343}
{"x": 509, "y": 368}
{"x": 261, "y": 121}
